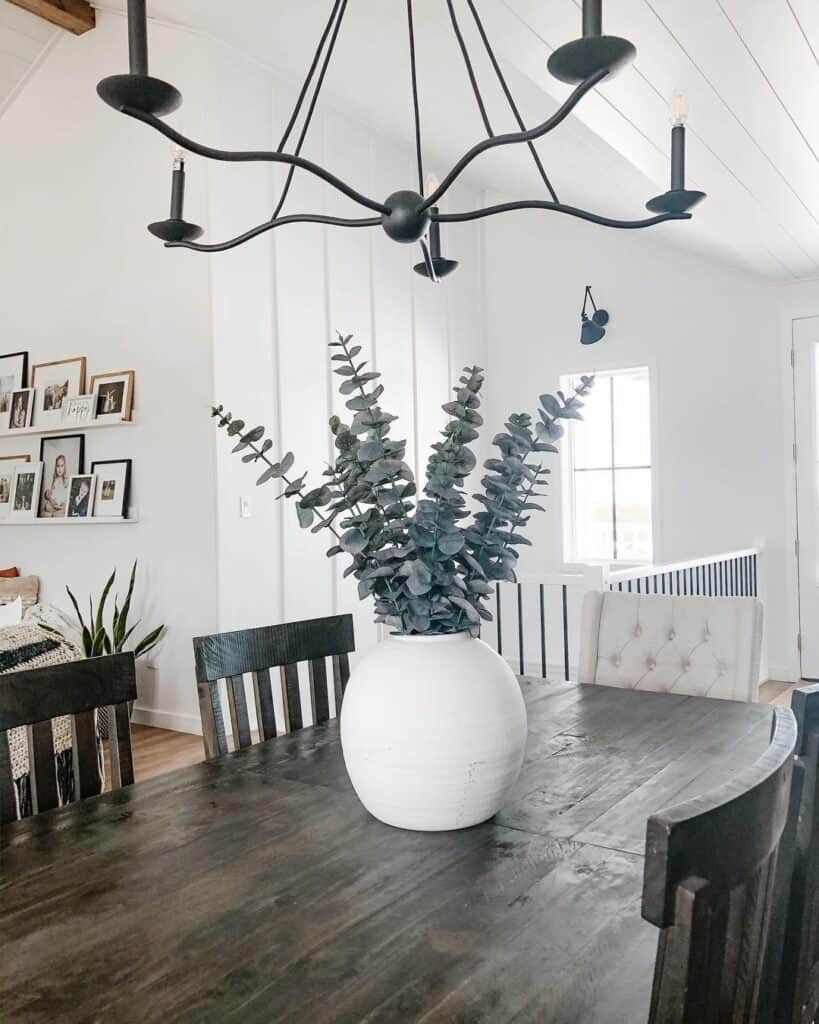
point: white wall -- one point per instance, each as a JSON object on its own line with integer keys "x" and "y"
{"x": 81, "y": 276}
{"x": 248, "y": 327}
{"x": 711, "y": 338}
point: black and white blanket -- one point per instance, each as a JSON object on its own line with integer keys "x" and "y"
{"x": 27, "y": 646}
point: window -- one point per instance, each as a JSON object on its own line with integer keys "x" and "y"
{"x": 608, "y": 461}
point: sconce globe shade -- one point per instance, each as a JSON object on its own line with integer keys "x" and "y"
{"x": 590, "y": 332}
{"x": 600, "y": 317}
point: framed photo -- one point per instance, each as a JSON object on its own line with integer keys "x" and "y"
{"x": 113, "y": 486}
{"x": 79, "y": 410}
{"x": 114, "y": 393}
{"x": 13, "y": 376}
{"x": 80, "y": 503}
{"x": 62, "y": 457}
{"x": 8, "y": 463}
{"x": 22, "y": 407}
{"x": 25, "y": 489}
{"x": 55, "y": 382}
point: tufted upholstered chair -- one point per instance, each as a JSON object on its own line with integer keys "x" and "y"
{"x": 702, "y": 646}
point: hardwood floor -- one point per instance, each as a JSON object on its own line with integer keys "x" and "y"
{"x": 157, "y": 751}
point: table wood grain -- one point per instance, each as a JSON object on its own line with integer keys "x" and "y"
{"x": 257, "y": 889}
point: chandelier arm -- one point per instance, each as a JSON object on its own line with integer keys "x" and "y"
{"x": 268, "y": 225}
{"x": 254, "y": 156}
{"x": 469, "y": 69}
{"x": 312, "y": 106}
{"x": 415, "y": 104}
{"x": 510, "y": 98}
{"x": 309, "y": 77}
{"x": 572, "y": 211}
{"x": 511, "y": 138}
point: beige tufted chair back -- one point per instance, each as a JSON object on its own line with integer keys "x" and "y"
{"x": 701, "y": 646}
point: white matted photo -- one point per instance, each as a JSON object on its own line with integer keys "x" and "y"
{"x": 79, "y": 410}
{"x": 80, "y": 504}
{"x": 8, "y": 463}
{"x": 114, "y": 393}
{"x": 13, "y": 376}
{"x": 55, "y": 382}
{"x": 113, "y": 486}
{"x": 25, "y": 491}
{"x": 62, "y": 457}
{"x": 22, "y": 406}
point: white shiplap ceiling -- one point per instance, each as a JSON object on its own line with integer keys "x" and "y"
{"x": 24, "y": 41}
{"x": 750, "y": 70}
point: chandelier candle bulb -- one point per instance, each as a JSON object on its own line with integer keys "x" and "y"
{"x": 178, "y": 187}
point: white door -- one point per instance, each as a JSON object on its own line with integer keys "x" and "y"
{"x": 806, "y": 402}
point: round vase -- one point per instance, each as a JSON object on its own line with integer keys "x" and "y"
{"x": 433, "y": 730}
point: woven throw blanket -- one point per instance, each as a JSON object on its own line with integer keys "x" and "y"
{"x": 25, "y": 647}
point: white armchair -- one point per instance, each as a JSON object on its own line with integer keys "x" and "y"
{"x": 701, "y": 646}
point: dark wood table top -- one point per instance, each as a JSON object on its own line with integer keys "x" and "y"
{"x": 257, "y": 889}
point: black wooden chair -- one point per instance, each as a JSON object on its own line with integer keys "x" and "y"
{"x": 229, "y": 655}
{"x": 33, "y": 697}
{"x": 709, "y": 884}
{"x": 792, "y": 969}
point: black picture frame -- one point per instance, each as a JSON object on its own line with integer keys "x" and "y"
{"x": 23, "y": 356}
{"x": 80, "y": 470}
{"x": 126, "y": 491}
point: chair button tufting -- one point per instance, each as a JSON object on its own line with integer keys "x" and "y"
{"x": 671, "y": 634}
{"x": 651, "y": 663}
{"x": 615, "y": 660}
{"x": 686, "y": 665}
{"x": 638, "y": 630}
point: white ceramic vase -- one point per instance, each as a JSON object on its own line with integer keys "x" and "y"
{"x": 433, "y": 730}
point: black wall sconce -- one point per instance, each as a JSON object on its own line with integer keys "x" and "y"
{"x": 592, "y": 330}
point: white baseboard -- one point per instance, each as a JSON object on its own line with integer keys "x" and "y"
{"x": 173, "y": 720}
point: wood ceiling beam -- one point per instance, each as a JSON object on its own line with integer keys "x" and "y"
{"x": 75, "y": 16}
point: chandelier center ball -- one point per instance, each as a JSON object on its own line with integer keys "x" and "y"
{"x": 405, "y": 220}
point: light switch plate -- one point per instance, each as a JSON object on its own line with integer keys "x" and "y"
{"x": 245, "y": 511}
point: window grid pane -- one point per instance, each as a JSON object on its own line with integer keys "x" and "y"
{"x": 610, "y": 459}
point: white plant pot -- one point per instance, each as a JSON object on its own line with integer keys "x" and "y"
{"x": 433, "y": 730}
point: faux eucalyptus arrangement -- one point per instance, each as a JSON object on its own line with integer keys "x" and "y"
{"x": 426, "y": 560}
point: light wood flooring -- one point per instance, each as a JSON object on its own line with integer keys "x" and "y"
{"x": 157, "y": 751}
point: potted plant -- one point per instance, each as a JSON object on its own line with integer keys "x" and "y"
{"x": 433, "y": 725}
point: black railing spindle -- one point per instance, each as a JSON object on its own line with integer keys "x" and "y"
{"x": 542, "y": 597}
{"x": 520, "y": 630}
{"x": 565, "y": 633}
{"x": 498, "y": 617}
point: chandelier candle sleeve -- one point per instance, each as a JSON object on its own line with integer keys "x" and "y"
{"x": 137, "y": 37}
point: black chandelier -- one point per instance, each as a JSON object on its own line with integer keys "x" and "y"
{"x": 406, "y": 215}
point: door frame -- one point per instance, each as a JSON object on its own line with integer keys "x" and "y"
{"x": 795, "y": 310}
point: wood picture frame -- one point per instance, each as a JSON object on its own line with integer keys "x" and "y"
{"x": 114, "y": 393}
{"x": 55, "y": 382}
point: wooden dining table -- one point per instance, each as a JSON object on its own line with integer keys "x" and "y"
{"x": 257, "y": 888}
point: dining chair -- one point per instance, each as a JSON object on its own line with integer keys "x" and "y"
{"x": 791, "y": 994}
{"x": 33, "y": 697}
{"x": 708, "y": 885}
{"x": 256, "y": 651}
{"x": 700, "y": 646}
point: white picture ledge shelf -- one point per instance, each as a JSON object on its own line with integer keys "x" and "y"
{"x": 75, "y": 428}
{"x": 60, "y": 521}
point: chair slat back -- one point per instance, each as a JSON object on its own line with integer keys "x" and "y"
{"x": 33, "y": 697}
{"x": 794, "y": 955}
{"x": 229, "y": 656}
{"x": 709, "y": 884}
